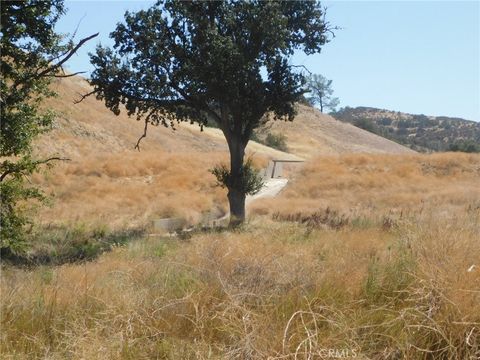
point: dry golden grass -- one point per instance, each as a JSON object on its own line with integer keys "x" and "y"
{"x": 108, "y": 182}
{"x": 377, "y": 186}
{"x": 129, "y": 188}
{"x": 313, "y": 133}
{"x": 277, "y": 290}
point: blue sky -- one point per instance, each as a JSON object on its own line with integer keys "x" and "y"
{"x": 421, "y": 57}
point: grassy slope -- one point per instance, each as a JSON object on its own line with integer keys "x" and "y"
{"x": 382, "y": 185}
{"x": 313, "y": 133}
{"x": 386, "y": 288}
{"x": 108, "y": 181}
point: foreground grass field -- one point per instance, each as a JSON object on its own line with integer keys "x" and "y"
{"x": 392, "y": 278}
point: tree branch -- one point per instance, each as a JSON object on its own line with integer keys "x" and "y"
{"x": 69, "y": 75}
{"x": 15, "y": 169}
{"x": 65, "y": 59}
{"x": 144, "y": 135}
{"x": 302, "y": 66}
{"x": 40, "y": 162}
{"x": 84, "y": 96}
{"x": 197, "y": 104}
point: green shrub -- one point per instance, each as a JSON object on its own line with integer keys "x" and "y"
{"x": 14, "y": 214}
{"x": 251, "y": 181}
{"x": 467, "y": 146}
{"x": 276, "y": 141}
{"x": 366, "y": 124}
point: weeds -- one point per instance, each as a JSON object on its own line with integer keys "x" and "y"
{"x": 55, "y": 245}
{"x": 323, "y": 218}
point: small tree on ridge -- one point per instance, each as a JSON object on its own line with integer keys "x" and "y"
{"x": 321, "y": 92}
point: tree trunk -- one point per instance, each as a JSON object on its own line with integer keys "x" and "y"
{"x": 236, "y": 194}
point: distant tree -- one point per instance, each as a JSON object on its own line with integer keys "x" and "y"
{"x": 385, "y": 121}
{"x": 320, "y": 89}
{"x": 32, "y": 54}
{"x": 366, "y": 124}
{"x": 220, "y": 60}
{"x": 467, "y": 146}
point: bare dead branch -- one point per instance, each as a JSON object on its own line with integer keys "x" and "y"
{"x": 84, "y": 96}
{"x": 53, "y": 68}
{"x": 70, "y": 40}
{"x": 69, "y": 75}
{"x": 302, "y": 66}
{"x": 40, "y": 162}
{"x": 144, "y": 135}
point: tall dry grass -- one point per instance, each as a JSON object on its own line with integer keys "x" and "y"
{"x": 278, "y": 290}
{"x": 130, "y": 188}
{"x": 377, "y": 186}
{"x": 274, "y": 290}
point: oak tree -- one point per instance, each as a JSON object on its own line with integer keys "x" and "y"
{"x": 221, "y": 61}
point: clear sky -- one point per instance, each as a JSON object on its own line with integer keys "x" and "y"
{"x": 420, "y": 57}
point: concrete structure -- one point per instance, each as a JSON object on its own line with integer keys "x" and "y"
{"x": 168, "y": 225}
{"x": 274, "y": 169}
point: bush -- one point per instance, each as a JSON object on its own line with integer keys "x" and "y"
{"x": 467, "y": 146}
{"x": 14, "y": 213}
{"x": 251, "y": 182}
{"x": 366, "y": 124}
{"x": 276, "y": 141}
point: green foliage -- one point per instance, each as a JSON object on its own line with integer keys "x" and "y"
{"x": 250, "y": 180}
{"x": 31, "y": 55}
{"x": 320, "y": 89}
{"x": 27, "y": 45}
{"x": 467, "y": 146}
{"x": 189, "y": 60}
{"x": 365, "y": 124}
{"x": 61, "y": 244}
{"x": 276, "y": 141}
{"x": 14, "y": 217}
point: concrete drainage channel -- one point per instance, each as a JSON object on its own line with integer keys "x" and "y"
{"x": 274, "y": 182}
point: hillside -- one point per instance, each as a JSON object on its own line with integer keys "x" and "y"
{"x": 313, "y": 133}
{"x": 379, "y": 186}
{"x": 419, "y": 132}
{"x": 354, "y": 255}
{"x": 89, "y": 127}
{"x": 106, "y": 180}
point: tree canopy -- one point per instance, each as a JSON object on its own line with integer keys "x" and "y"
{"x": 198, "y": 61}
{"x": 32, "y": 54}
